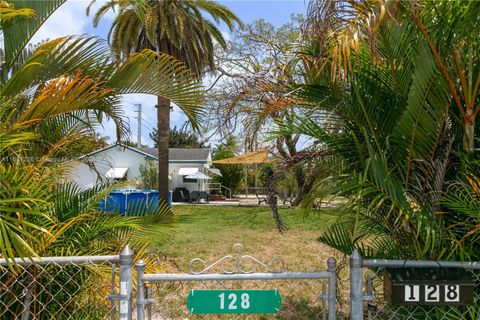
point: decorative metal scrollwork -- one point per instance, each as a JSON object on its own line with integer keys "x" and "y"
{"x": 239, "y": 261}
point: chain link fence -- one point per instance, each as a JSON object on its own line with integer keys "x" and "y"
{"x": 301, "y": 299}
{"x": 304, "y": 295}
{"x": 102, "y": 287}
{"x": 379, "y": 309}
{"x": 58, "y": 288}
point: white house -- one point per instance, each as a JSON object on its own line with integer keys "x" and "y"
{"x": 120, "y": 162}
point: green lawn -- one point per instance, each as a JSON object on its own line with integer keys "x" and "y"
{"x": 208, "y": 232}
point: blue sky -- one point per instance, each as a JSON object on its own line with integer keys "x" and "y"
{"x": 71, "y": 19}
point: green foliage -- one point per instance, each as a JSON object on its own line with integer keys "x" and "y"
{"x": 149, "y": 175}
{"x": 51, "y": 99}
{"x": 78, "y": 227}
{"x": 231, "y": 174}
{"x": 174, "y": 27}
{"x": 266, "y": 173}
{"x": 180, "y": 139}
{"x": 407, "y": 195}
{"x": 10, "y": 15}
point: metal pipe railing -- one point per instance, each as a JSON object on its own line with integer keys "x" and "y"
{"x": 59, "y": 260}
{"x": 236, "y": 276}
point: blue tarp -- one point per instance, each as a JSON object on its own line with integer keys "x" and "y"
{"x": 137, "y": 201}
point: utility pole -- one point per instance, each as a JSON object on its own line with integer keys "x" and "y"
{"x": 245, "y": 168}
{"x": 139, "y": 130}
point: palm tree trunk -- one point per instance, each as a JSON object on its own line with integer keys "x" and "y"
{"x": 469, "y": 131}
{"x": 163, "y": 118}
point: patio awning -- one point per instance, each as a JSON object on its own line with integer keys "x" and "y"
{"x": 215, "y": 171}
{"x": 258, "y": 156}
{"x": 187, "y": 171}
{"x": 198, "y": 176}
{"x": 116, "y": 173}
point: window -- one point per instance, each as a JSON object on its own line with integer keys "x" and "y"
{"x": 189, "y": 180}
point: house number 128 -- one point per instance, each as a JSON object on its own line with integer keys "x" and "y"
{"x": 232, "y": 301}
{"x": 451, "y": 293}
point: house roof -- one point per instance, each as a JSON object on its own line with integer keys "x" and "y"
{"x": 174, "y": 154}
{"x": 181, "y": 154}
{"x": 113, "y": 146}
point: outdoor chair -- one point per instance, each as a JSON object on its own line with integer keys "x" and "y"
{"x": 194, "y": 196}
{"x": 205, "y": 196}
{"x": 185, "y": 196}
{"x": 261, "y": 198}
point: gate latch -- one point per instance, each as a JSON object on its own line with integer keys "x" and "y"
{"x": 145, "y": 301}
{"x": 117, "y": 297}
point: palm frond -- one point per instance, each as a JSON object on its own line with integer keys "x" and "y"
{"x": 17, "y": 35}
{"x": 8, "y": 14}
{"x": 173, "y": 81}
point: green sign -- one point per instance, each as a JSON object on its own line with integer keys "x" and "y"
{"x": 233, "y": 301}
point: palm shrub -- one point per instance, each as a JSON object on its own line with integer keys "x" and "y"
{"x": 52, "y": 96}
{"x": 395, "y": 129}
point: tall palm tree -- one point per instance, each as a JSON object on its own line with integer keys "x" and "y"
{"x": 174, "y": 27}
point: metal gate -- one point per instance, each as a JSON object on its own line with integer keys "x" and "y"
{"x": 69, "y": 287}
{"x": 304, "y": 295}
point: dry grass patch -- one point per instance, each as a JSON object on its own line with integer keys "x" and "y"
{"x": 209, "y": 232}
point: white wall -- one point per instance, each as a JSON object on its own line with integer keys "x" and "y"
{"x": 115, "y": 157}
{"x": 119, "y": 157}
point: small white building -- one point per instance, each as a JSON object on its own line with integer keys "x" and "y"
{"x": 120, "y": 162}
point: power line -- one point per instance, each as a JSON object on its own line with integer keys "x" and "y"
{"x": 148, "y": 122}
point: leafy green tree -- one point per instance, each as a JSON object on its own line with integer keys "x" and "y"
{"x": 251, "y": 94}
{"x": 174, "y": 27}
{"x": 231, "y": 174}
{"x": 448, "y": 28}
{"x": 180, "y": 139}
{"x": 11, "y": 15}
{"x": 52, "y": 97}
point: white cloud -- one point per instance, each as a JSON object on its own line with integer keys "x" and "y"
{"x": 70, "y": 18}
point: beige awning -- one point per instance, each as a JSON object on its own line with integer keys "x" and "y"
{"x": 258, "y": 156}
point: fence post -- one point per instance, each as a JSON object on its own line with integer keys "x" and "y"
{"x": 140, "y": 290}
{"x": 356, "y": 286}
{"x": 332, "y": 283}
{"x": 126, "y": 275}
